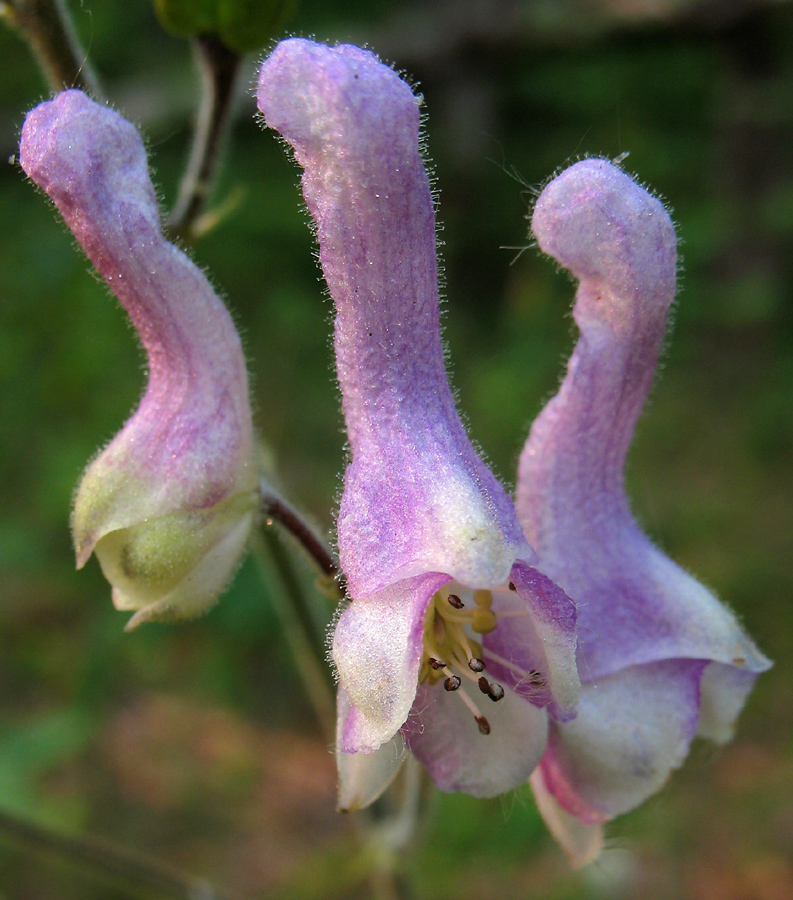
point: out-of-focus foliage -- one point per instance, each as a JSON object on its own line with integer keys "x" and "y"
{"x": 242, "y": 25}
{"x": 196, "y": 743}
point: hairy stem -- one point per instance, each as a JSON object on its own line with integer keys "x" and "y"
{"x": 46, "y": 26}
{"x": 122, "y": 868}
{"x": 218, "y": 68}
{"x": 275, "y": 507}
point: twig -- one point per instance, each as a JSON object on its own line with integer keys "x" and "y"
{"x": 124, "y": 868}
{"x": 218, "y": 67}
{"x": 46, "y": 26}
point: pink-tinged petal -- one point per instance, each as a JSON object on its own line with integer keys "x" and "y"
{"x": 533, "y": 649}
{"x": 443, "y": 735}
{"x": 183, "y": 465}
{"x": 632, "y": 729}
{"x": 582, "y": 843}
{"x": 417, "y": 497}
{"x": 634, "y": 604}
{"x": 377, "y": 647}
{"x": 724, "y": 691}
{"x": 364, "y": 776}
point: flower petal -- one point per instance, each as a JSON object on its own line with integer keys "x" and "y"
{"x": 364, "y": 776}
{"x": 444, "y": 736}
{"x": 631, "y": 730}
{"x": 582, "y": 843}
{"x": 724, "y": 691}
{"x": 417, "y": 498}
{"x": 634, "y": 604}
{"x": 377, "y": 647}
{"x": 533, "y": 649}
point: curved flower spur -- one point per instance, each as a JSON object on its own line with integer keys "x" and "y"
{"x": 661, "y": 660}
{"x": 452, "y": 638}
{"x": 168, "y": 505}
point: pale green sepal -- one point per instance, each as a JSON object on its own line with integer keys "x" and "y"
{"x": 175, "y": 567}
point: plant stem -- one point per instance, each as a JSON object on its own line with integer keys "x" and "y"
{"x": 391, "y": 833}
{"x": 121, "y": 867}
{"x": 46, "y": 26}
{"x": 275, "y": 507}
{"x": 218, "y": 68}
{"x": 297, "y": 622}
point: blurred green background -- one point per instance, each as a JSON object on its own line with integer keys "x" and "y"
{"x": 196, "y": 743}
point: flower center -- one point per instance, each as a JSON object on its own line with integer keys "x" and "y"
{"x": 451, "y": 654}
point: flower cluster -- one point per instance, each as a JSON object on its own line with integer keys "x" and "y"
{"x": 470, "y": 617}
{"x": 444, "y": 586}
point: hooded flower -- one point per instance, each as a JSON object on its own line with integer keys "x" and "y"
{"x": 448, "y": 614}
{"x": 661, "y": 660}
{"x": 167, "y": 506}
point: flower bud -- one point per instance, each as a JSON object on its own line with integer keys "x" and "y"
{"x": 167, "y": 506}
{"x": 242, "y": 25}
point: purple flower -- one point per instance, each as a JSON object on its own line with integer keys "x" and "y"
{"x": 661, "y": 660}
{"x": 447, "y": 613}
{"x": 168, "y": 504}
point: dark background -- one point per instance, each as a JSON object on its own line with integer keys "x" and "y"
{"x": 196, "y": 743}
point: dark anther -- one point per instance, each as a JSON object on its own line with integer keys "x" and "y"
{"x": 495, "y": 692}
{"x": 455, "y": 601}
{"x": 452, "y": 683}
{"x": 436, "y": 663}
{"x": 484, "y": 685}
{"x": 476, "y": 665}
{"x": 484, "y": 725}
{"x": 512, "y": 586}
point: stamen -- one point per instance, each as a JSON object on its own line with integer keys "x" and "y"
{"x": 471, "y": 705}
{"x": 495, "y": 692}
{"x": 533, "y": 677}
{"x": 430, "y": 649}
{"x": 483, "y": 599}
{"x": 483, "y": 620}
{"x": 459, "y": 664}
{"x": 462, "y": 639}
{"x": 450, "y": 653}
{"x": 444, "y": 614}
{"x": 513, "y": 613}
{"x": 464, "y": 618}
{"x": 512, "y": 586}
